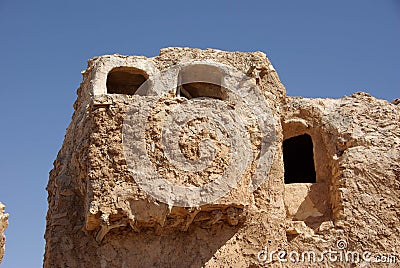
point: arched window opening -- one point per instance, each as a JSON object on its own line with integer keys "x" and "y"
{"x": 201, "y": 80}
{"x": 125, "y": 80}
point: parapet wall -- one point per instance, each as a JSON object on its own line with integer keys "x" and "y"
{"x": 187, "y": 159}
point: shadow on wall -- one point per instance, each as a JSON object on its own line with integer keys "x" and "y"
{"x": 193, "y": 248}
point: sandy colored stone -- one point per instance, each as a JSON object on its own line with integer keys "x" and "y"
{"x": 100, "y": 217}
{"x": 3, "y": 227}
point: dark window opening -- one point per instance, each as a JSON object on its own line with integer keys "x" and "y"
{"x": 201, "y": 80}
{"x": 298, "y": 158}
{"x": 125, "y": 80}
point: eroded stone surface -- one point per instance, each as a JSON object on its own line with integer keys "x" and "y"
{"x": 100, "y": 217}
{"x": 357, "y": 153}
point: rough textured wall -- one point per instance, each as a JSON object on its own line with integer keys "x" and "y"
{"x": 358, "y": 138}
{"x": 3, "y": 226}
{"x": 99, "y": 216}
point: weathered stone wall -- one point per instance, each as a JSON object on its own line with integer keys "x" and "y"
{"x": 3, "y": 226}
{"x": 100, "y": 217}
{"x": 358, "y": 139}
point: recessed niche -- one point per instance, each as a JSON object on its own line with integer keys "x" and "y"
{"x": 298, "y": 158}
{"x": 125, "y": 80}
{"x": 201, "y": 81}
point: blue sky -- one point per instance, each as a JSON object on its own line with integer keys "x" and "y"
{"x": 319, "y": 48}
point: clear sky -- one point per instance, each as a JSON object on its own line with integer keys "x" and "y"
{"x": 319, "y": 48}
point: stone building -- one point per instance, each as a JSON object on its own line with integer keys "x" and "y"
{"x": 198, "y": 158}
